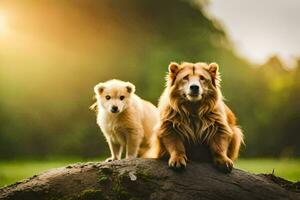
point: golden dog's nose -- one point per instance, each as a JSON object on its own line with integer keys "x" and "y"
{"x": 194, "y": 88}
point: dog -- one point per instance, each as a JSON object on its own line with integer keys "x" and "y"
{"x": 193, "y": 113}
{"x": 126, "y": 120}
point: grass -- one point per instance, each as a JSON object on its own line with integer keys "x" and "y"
{"x": 12, "y": 171}
{"x": 285, "y": 168}
{"x": 16, "y": 170}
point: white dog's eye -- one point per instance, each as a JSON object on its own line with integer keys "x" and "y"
{"x": 186, "y": 78}
{"x": 107, "y": 97}
{"x": 122, "y": 97}
{"x": 202, "y": 78}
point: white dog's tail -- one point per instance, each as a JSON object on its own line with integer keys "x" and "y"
{"x": 153, "y": 151}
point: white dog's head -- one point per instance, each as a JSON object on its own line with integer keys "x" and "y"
{"x": 114, "y": 95}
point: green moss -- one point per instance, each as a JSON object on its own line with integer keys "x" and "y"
{"x": 144, "y": 174}
{"x": 106, "y": 170}
{"x": 119, "y": 186}
{"x": 91, "y": 195}
{"x": 134, "y": 198}
{"x": 120, "y": 192}
{"x": 104, "y": 175}
{"x": 102, "y": 178}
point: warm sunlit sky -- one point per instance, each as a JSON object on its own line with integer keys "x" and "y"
{"x": 258, "y": 29}
{"x": 261, "y": 28}
{"x": 3, "y": 22}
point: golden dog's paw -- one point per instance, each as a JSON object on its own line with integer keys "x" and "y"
{"x": 178, "y": 161}
{"x": 224, "y": 164}
{"x": 110, "y": 159}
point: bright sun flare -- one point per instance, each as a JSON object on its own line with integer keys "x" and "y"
{"x": 3, "y": 23}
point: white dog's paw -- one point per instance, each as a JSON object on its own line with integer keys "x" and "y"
{"x": 110, "y": 159}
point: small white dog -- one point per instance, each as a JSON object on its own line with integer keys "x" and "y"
{"x": 126, "y": 120}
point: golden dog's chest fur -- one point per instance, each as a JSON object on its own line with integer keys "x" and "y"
{"x": 205, "y": 124}
{"x": 196, "y": 130}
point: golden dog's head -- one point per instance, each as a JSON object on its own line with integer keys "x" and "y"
{"x": 193, "y": 82}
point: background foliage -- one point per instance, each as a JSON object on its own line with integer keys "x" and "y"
{"x": 58, "y": 50}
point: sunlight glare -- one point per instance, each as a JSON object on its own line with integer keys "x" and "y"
{"x": 3, "y": 23}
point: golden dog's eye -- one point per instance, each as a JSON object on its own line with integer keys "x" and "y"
{"x": 186, "y": 78}
{"x": 122, "y": 97}
{"x": 202, "y": 78}
{"x": 107, "y": 97}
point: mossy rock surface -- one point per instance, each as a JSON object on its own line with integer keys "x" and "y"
{"x": 140, "y": 179}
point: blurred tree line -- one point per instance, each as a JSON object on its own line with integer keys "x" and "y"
{"x": 61, "y": 49}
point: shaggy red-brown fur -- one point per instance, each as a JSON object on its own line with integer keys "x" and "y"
{"x": 188, "y": 120}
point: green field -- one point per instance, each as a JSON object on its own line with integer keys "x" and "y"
{"x": 12, "y": 171}
{"x": 285, "y": 168}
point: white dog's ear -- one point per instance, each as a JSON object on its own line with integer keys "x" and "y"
{"x": 173, "y": 67}
{"x": 99, "y": 88}
{"x": 213, "y": 69}
{"x": 130, "y": 88}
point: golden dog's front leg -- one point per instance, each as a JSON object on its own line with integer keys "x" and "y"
{"x": 219, "y": 146}
{"x": 176, "y": 150}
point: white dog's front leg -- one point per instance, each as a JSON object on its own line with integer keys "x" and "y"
{"x": 133, "y": 142}
{"x": 115, "y": 150}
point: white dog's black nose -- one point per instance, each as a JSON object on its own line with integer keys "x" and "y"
{"x": 194, "y": 88}
{"x": 114, "y": 109}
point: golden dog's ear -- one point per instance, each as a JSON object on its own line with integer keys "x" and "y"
{"x": 173, "y": 67}
{"x": 130, "y": 88}
{"x": 99, "y": 88}
{"x": 213, "y": 69}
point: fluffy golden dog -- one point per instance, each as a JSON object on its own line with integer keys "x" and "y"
{"x": 193, "y": 113}
{"x": 126, "y": 120}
